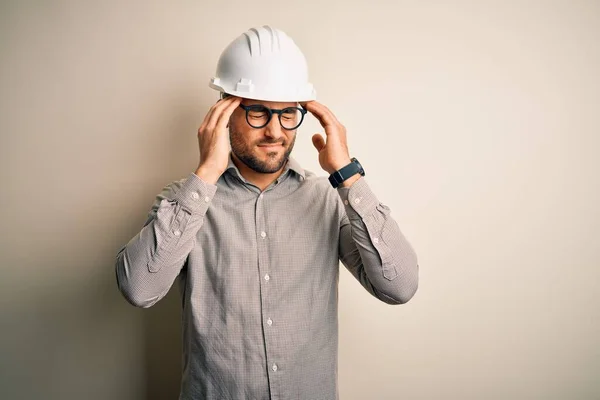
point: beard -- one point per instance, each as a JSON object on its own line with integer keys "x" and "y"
{"x": 246, "y": 153}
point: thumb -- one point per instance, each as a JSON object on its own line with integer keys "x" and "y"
{"x": 318, "y": 142}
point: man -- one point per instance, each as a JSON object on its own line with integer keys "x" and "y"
{"x": 256, "y": 240}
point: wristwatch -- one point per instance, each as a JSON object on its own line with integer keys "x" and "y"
{"x": 346, "y": 172}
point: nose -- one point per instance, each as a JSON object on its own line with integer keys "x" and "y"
{"x": 274, "y": 129}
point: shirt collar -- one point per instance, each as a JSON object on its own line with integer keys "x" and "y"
{"x": 292, "y": 164}
{"x": 295, "y": 166}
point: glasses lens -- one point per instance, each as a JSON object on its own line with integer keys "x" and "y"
{"x": 291, "y": 117}
{"x": 257, "y": 116}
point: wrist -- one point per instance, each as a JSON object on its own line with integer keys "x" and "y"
{"x": 207, "y": 174}
{"x": 339, "y": 165}
{"x": 350, "y": 181}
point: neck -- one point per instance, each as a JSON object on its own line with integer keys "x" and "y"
{"x": 259, "y": 179}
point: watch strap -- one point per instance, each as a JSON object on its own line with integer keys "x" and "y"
{"x": 346, "y": 172}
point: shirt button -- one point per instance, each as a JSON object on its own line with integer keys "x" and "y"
{"x": 267, "y": 277}
{"x": 195, "y": 195}
{"x": 263, "y": 234}
{"x": 346, "y": 202}
{"x": 207, "y": 199}
{"x": 274, "y": 367}
{"x": 269, "y": 322}
{"x": 357, "y": 200}
{"x": 375, "y": 240}
{"x": 177, "y": 233}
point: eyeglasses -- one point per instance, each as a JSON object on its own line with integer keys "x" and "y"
{"x": 258, "y": 116}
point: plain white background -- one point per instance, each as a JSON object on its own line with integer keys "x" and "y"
{"x": 477, "y": 123}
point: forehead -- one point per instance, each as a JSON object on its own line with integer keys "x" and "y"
{"x": 270, "y": 104}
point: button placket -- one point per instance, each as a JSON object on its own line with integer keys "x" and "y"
{"x": 265, "y": 279}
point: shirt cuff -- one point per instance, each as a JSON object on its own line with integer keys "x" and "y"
{"x": 358, "y": 199}
{"x": 195, "y": 195}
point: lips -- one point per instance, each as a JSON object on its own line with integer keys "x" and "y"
{"x": 270, "y": 145}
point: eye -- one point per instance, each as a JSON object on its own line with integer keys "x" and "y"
{"x": 257, "y": 112}
{"x": 256, "y": 115}
{"x": 289, "y": 114}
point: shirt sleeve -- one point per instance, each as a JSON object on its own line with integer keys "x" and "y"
{"x": 373, "y": 248}
{"x": 148, "y": 264}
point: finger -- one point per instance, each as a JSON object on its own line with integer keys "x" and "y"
{"x": 327, "y": 112}
{"x": 323, "y": 114}
{"x": 226, "y": 113}
{"x": 218, "y": 110}
{"x": 318, "y": 142}
{"x": 208, "y": 115}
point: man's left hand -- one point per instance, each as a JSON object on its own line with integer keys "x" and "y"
{"x": 333, "y": 152}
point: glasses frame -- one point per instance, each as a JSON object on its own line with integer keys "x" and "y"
{"x": 272, "y": 111}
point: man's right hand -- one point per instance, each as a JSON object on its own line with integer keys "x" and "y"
{"x": 213, "y": 141}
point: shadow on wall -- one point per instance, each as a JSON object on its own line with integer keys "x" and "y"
{"x": 67, "y": 332}
{"x": 80, "y": 340}
{"x": 162, "y": 348}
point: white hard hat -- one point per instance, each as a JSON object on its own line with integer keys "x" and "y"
{"x": 264, "y": 64}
